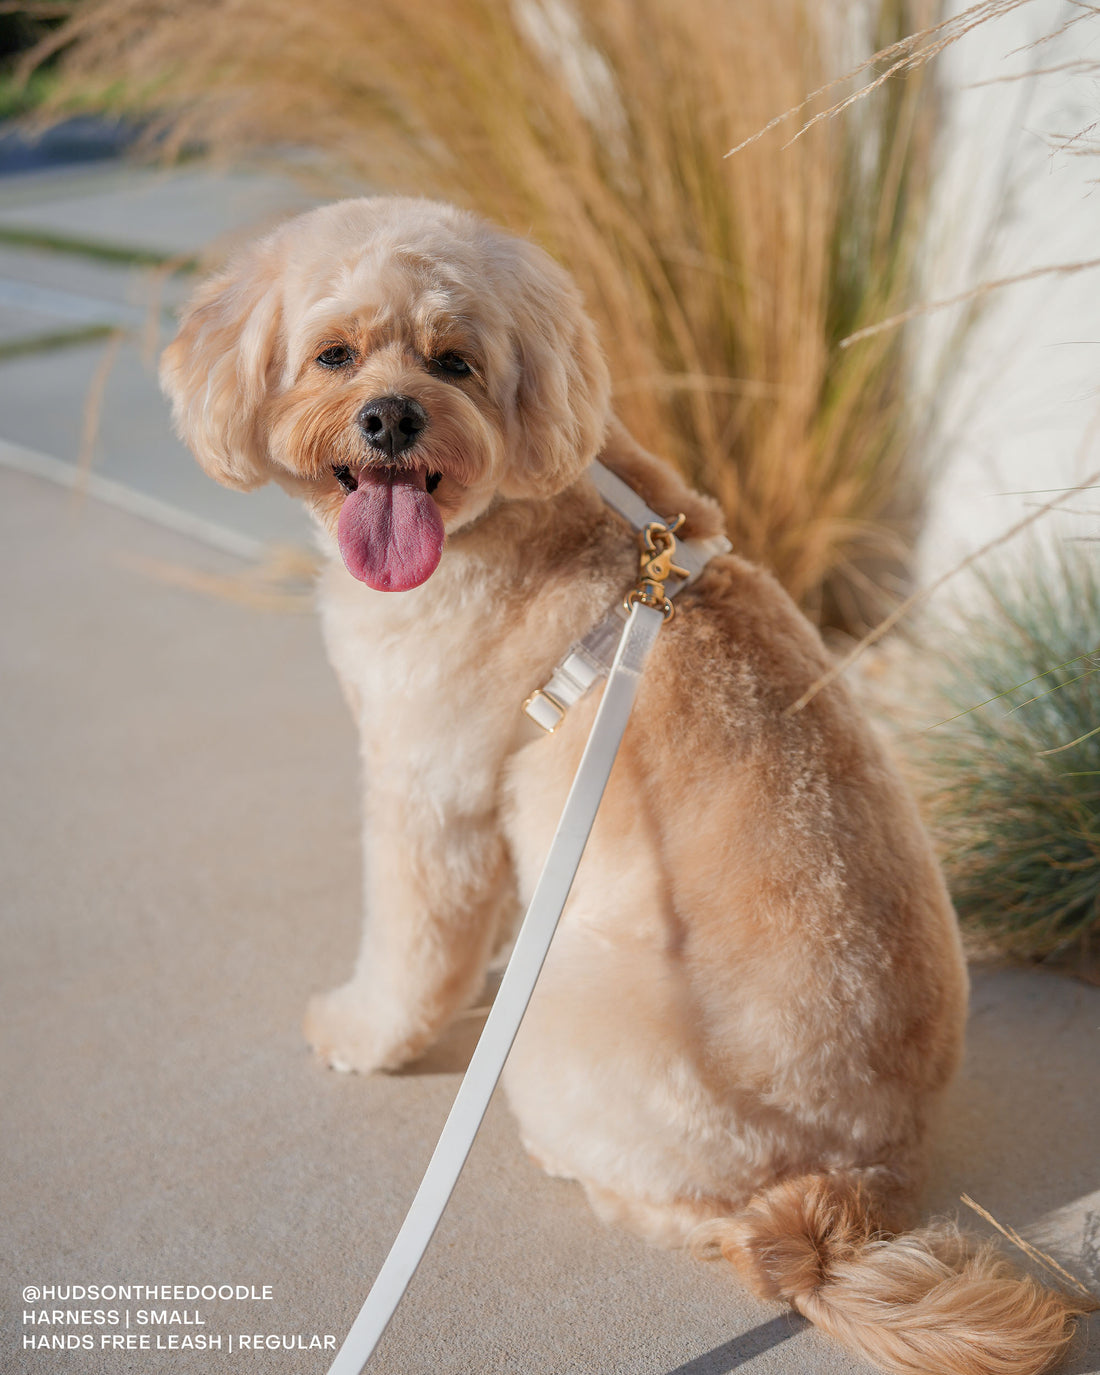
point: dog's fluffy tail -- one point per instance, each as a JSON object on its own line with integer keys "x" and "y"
{"x": 925, "y": 1302}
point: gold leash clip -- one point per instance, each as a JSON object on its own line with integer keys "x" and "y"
{"x": 658, "y": 544}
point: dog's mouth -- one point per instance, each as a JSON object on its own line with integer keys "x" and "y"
{"x": 350, "y": 481}
{"x": 390, "y": 530}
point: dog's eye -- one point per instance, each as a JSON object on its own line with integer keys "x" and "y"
{"x": 454, "y": 363}
{"x": 335, "y": 356}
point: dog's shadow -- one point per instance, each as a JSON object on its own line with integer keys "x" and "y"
{"x": 746, "y": 1347}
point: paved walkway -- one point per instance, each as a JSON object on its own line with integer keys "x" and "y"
{"x": 78, "y": 259}
{"x": 180, "y": 871}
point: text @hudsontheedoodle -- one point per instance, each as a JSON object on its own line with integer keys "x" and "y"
{"x": 157, "y": 1317}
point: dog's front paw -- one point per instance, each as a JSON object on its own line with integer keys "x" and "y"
{"x": 345, "y": 1034}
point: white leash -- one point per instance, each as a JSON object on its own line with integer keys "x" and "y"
{"x": 616, "y": 647}
{"x": 514, "y": 993}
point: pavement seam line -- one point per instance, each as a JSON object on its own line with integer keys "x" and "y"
{"x": 23, "y": 460}
{"x": 74, "y": 305}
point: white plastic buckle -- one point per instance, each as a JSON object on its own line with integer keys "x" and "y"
{"x": 572, "y": 678}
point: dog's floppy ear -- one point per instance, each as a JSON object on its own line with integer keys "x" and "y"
{"x": 562, "y": 406}
{"x": 216, "y": 371}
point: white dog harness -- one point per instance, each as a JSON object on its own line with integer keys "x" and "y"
{"x": 616, "y": 648}
{"x": 590, "y": 659}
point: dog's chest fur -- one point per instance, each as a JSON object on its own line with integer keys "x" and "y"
{"x": 436, "y": 677}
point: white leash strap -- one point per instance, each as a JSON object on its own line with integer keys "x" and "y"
{"x": 512, "y": 997}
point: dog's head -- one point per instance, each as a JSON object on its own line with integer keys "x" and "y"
{"x": 397, "y": 363}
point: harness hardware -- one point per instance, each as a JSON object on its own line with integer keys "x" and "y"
{"x": 658, "y": 545}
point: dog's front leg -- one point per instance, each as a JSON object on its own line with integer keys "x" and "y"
{"x": 439, "y": 887}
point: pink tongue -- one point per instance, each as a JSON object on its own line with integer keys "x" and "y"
{"x": 390, "y": 532}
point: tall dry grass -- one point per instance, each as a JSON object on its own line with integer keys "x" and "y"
{"x": 722, "y": 285}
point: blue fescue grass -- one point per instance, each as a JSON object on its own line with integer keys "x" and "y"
{"x": 1016, "y": 773}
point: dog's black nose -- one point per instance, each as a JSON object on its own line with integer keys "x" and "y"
{"x": 392, "y": 424}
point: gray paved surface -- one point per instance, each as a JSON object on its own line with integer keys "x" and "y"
{"x": 182, "y": 210}
{"x": 45, "y": 397}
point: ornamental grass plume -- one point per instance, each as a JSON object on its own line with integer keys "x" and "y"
{"x": 1014, "y": 777}
{"x": 721, "y": 285}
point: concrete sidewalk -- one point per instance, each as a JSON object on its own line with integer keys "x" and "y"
{"x": 78, "y": 256}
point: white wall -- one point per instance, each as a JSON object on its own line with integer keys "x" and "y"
{"x": 1022, "y": 409}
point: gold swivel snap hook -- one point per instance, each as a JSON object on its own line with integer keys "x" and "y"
{"x": 658, "y": 545}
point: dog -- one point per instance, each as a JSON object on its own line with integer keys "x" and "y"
{"x": 756, "y": 995}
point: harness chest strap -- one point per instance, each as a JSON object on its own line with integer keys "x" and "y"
{"x": 589, "y": 659}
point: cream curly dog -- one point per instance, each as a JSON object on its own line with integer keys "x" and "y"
{"x": 756, "y": 995}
